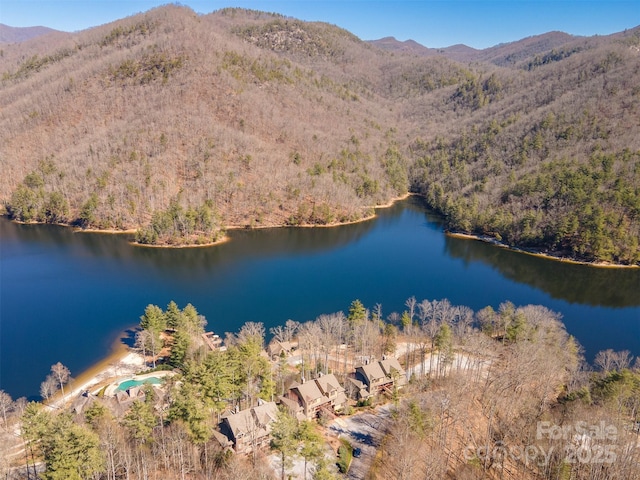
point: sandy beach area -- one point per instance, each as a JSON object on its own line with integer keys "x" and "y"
{"x": 121, "y": 362}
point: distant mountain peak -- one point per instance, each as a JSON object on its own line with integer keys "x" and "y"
{"x": 392, "y": 44}
{"x": 20, "y": 34}
{"x": 500, "y": 54}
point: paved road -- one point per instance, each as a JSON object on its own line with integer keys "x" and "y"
{"x": 364, "y": 431}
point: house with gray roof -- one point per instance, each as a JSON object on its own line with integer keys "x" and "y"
{"x": 250, "y": 429}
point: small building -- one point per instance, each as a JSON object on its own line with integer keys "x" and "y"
{"x": 305, "y": 400}
{"x": 293, "y": 405}
{"x": 308, "y": 397}
{"x": 392, "y": 368}
{"x": 376, "y": 377}
{"x": 250, "y": 429}
{"x": 130, "y": 394}
{"x": 277, "y": 349}
{"x": 372, "y": 376}
{"x": 331, "y": 388}
{"x": 356, "y": 389}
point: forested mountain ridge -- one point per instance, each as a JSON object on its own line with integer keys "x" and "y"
{"x": 180, "y": 125}
{"x": 503, "y": 54}
{"x": 167, "y": 119}
{"x": 20, "y": 34}
{"x": 545, "y": 153}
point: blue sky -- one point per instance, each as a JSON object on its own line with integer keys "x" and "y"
{"x": 433, "y": 23}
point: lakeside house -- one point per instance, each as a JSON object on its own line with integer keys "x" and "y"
{"x": 276, "y": 349}
{"x": 307, "y": 399}
{"x": 376, "y": 377}
{"x": 250, "y": 429}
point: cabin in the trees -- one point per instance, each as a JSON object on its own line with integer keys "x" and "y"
{"x": 375, "y": 378}
{"x": 307, "y": 399}
{"x": 250, "y": 429}
{"x": 277, "y": 349}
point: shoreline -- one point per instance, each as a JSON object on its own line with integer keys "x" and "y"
{"x": 390, "y": 203}
{"x": 546, "y": 256}
{"x": 120, "y": 361}
{"x": 106, "y": 231}
{"x": 224, "y": 239}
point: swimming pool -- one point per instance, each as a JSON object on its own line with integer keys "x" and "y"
{"x": 127, "y": 384}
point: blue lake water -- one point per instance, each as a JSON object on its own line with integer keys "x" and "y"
{"x": 67, "y": 296}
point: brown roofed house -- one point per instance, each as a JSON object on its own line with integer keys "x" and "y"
{"x": 277, "y": 348}
{"x": 250, "y": 429}
{"x": 307, "y": 399}
{"x": 394, "y": 370}
{"x": 331, "y": 388}
{"x": 309, "y": 396}
{"x": 377, "y": 377}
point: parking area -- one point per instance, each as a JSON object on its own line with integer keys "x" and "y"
{"x": 364, "y": 431}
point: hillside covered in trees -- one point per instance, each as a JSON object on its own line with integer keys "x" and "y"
{"x": 181, "y": 125}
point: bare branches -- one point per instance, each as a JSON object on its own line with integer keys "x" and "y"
{"x": 285, "y": 333}
{"x": 609, "y": 360}
{"x": 56, "y": 380}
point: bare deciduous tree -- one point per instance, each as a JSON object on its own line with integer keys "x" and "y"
{"x": 61, "y": 374}
{"x": 6, "y": 404}
{"x": 608, "y": 360}
{"x": 48, "y": 387}
{"x": 252, "y": 331}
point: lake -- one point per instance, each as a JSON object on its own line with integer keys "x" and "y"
{"x": 68, "y": 296}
